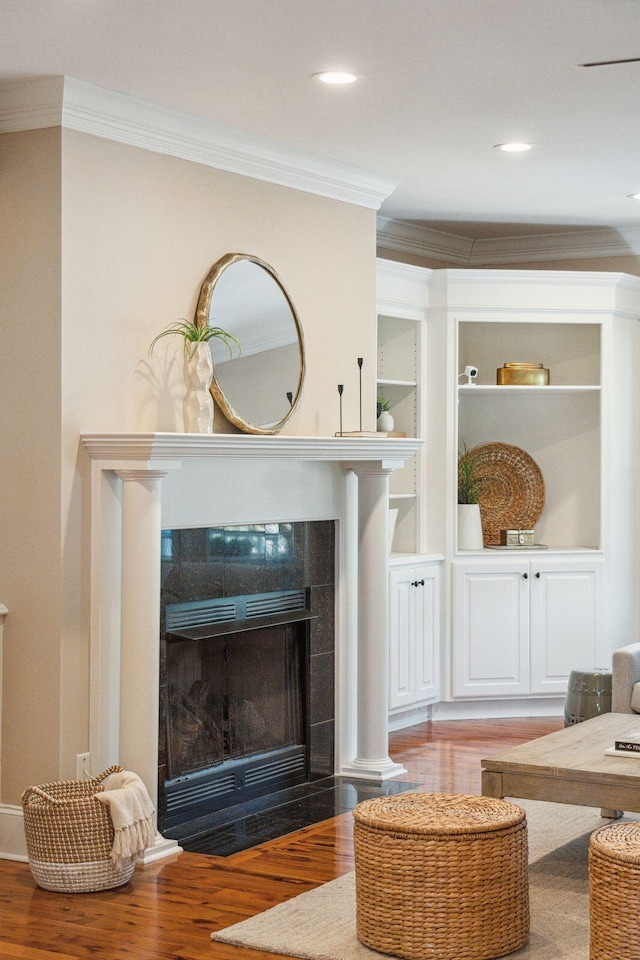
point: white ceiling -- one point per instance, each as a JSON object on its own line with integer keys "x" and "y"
{"x": 443, "y": 81}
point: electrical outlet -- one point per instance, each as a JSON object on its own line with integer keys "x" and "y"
{"x": 83, "y": 762}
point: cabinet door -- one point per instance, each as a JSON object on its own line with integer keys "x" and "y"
{"x": 490, "y": 629}
{"x": 402, "y": 614}
{"x": 566, "y": 627}
{"x": 414, "y": 631}
{"x": 427, "y": 662}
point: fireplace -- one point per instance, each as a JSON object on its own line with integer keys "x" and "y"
{"x": 246, "y": 685}
{"x": 142, "y": 484}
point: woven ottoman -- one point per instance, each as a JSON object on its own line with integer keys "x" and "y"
{"x": 614, "y": 892}
{"x": 441, "y": 876}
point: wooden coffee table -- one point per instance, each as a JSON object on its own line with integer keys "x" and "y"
{"x": 570, "y": 766}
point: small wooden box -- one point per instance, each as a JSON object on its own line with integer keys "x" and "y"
{"x": 517, "y": 538}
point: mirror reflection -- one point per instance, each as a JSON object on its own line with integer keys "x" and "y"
{"x": 259, "y": 387}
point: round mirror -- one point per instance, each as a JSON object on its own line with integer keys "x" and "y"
{"x": 258, "y": 385}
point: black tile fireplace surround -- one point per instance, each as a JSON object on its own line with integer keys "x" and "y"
{"x": 210, "y": 564}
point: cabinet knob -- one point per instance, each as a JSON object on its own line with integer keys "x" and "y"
{"x": 525, "y": 576}
{"x": 538, "y": 575}
{"x": 417, "y": 583}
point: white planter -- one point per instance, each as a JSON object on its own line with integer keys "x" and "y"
{"x": 385, "y": 422}
{"x": 469, "y": 527}
{"x": 198, "y": 374}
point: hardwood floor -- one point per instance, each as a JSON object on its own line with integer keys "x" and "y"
{"x": 168, "y": 909}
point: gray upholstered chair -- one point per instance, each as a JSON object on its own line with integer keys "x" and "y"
{"x": 625, "y": 680}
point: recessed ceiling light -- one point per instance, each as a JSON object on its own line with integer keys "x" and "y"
{"x": 513, "y": 147}
{"x": 634, "y": 196}
{"x": 336, "y": 77}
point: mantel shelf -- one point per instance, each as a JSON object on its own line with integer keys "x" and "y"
{"x": 152, "y": 447}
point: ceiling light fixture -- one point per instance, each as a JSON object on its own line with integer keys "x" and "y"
{"x": 634, "y": 196}
{"x": 335, "y": 77}
{"x": 513, "y": 147}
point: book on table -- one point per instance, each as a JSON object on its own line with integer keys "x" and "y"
{"x": 627, "y": 746}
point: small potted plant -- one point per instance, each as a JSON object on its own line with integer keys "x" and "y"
{"x": 385, "y": 422}
{"x": 197, "y": 370}
{"x": 469, "y": 490}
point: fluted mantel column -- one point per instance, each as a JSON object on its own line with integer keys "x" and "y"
{"x": 372, "y": 760}
{"x": 140, "y": 629}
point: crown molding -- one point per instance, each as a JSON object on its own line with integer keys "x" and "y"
{"x": 426, "y": 242}
{"x": 30, "y": 104}
{"x": 76, "y": 105}
{"x": 422, "y": 241}
{"x": 570, "y": 245}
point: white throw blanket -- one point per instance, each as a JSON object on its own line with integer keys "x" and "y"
{"x": 132, "y": 815}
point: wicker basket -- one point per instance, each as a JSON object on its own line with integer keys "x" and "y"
{"x": 511, "y": 489}
{"x": 614, "y": 891}
{"x": 441, "y": 876}
{"x": 69, "y": 837}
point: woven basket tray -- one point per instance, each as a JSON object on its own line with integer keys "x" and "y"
{"x": 511, "y": 489}
{"x": 69, "y": 837}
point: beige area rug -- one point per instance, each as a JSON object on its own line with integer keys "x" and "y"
{"x": 320, "y": 924}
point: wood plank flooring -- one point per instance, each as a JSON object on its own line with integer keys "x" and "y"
{"x": 169, "y": 909}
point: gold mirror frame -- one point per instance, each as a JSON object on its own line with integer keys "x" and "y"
{"x": 202, "y": 316}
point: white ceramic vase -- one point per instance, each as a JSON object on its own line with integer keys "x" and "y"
{"x": 198, "y": 374}
{"x": 385, "y": 422}
{"x": 469, "y": 527}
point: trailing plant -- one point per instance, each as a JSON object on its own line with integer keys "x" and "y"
{"x": 469, "y": 486}
{"x": 192, "y": 333}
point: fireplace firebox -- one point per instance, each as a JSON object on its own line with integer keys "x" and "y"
{"x": 247, "y": 698}
{"x": 236, "y": 700}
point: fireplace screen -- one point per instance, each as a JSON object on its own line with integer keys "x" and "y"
{"x": 234, "y": 695}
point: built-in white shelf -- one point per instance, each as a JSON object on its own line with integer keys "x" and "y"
{"x": 396, "y": 383}
{"x": 402, "y": 496}
{"x": 493, "y": 390}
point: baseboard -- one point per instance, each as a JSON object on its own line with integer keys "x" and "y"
{"x": 497, "y": 709}
{"x": 409, "y": 717}
{"x": 13, "y": 845}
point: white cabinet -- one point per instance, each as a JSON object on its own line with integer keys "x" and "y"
{"x": 401, "y": 304}
{"x": 566, "y": 612}
{"x": 520, "y": 625}
{"x": 414, "y": 634}
{"x": 519, "y": 622}
{"x": 490, "y": 629}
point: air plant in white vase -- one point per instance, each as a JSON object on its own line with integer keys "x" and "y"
{"x": 198, "y": 370}
{"x": 192, "y": 333}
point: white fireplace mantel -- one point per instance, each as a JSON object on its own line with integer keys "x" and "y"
{"x": 150, "y": 447}
{"x": 141, "y": 482}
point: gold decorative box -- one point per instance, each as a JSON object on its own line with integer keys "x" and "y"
{"x": 517, "y": 538}
{"x": 523, "y": 374}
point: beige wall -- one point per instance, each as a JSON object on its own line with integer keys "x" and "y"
{"x": 116, "y": 241}
{"x": 30, "y": 476}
